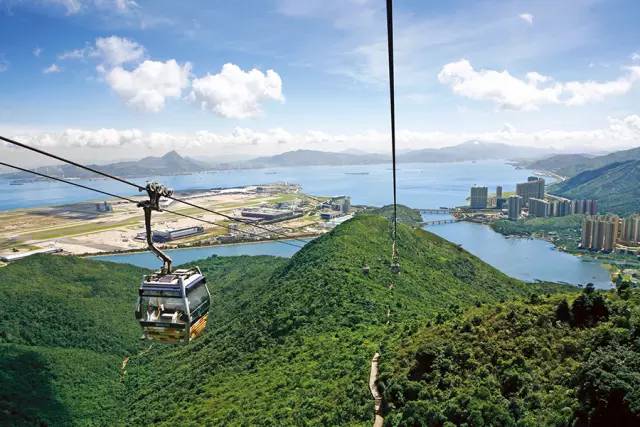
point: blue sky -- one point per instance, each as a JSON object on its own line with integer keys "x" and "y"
{"x": 120, "y": 78}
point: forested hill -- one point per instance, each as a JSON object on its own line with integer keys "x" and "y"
{"x": 543, "y": 362}
{"x": 294, "y": 343}
{"x": 615, "y": 186}
{"x": 288, "y": 341}
{"x": 66, "y": 325}
{"x": 573, "y": 164}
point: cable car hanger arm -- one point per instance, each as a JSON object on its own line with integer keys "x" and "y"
{"x": 155, "y": 191}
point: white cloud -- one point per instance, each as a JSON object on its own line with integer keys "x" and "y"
{"x": 122, "y": 6}
{"x": 116, "y": 50}
{"x": 580, "y": 93}
{"x": 149, "y": 85}
{"x": 526, "y": 17}
{"x": 635, "y": 56}
{"x": 109, "y": 51}
{"x": 37, "y": 51}
{"x": 235, "y": 93}
{"x": 53, "y": 68}
{"x": 535, "y": 90}
{"x": 74, "y": 54}
{"x": 621, "y": 132}
{"x": 498, "y": 86}
{"x": 72, "y": 6}
{"x": 76, "y": 6}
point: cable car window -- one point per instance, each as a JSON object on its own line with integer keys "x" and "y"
{"x": 198, "y": 296}
{"x": 163, "y": 309}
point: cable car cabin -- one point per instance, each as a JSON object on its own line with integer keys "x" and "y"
{"x": 173, "y": 308}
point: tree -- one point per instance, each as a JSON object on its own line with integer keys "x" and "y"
{"x": 563, "y": 312}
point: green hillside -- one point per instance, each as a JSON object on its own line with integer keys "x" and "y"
{"x": 614, "y": 186}
{"x": 573, "y": 164}
{"x": 65, "y": 327}
{"x": 302, "y": 336}
{"x": 543, "y": 362}
{"x": 288, "y": 342}
{"x": 562, "y": 164}
{"x": 405, "y": 215}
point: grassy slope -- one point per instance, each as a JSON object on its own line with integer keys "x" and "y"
{"x": 515, "y": 364}
{"x": 288, "y": 341}
{"x": 65, "y": 327}
{"x": 614, "y": 186}
{"x": 573, "y": 164}
{"x": 405, "y": 215}
{"x": 301, "y": 339}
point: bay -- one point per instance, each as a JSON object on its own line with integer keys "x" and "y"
{"x": 421, "y": 185}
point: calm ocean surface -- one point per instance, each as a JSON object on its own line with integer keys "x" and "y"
{"x": 421, "y": 185}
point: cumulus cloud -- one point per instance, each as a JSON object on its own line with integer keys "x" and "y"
{"x": 526, "y": 17}
{"x": 580, "y": 93}
{"x": 498, "y": 86}
{"x": 37, "y": 51}
{"x": 116, "y": 50}
{"x": 149, "y": 85}
{"x": 53, "y": 68}
{"x": 535, "y": 90}
{"x": 235, "y": 93}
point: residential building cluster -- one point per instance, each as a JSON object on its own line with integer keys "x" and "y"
{"x": 533, "y": 188}
{"x": 538, "y": 207}
{"x": 600, "y": 232}
{"x": 479, "y": 197}
{"x": 531, "y": 198}
{"x": 514, "y": 207}
{"x": 603, "y": 232}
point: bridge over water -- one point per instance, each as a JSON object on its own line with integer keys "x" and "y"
{"x": 440, "y": 221}
{"x": 441, "y": 211}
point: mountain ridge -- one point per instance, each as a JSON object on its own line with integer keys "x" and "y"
{"x": 172, "y": 163}
{"x": 573, "y": 164}
{"x": 613, "y": 185}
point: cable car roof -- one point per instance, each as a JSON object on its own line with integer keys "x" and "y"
{"x": 173, "y": 279}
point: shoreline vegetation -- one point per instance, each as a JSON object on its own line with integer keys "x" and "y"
{"x": 309, "y": 237}
{"x": 564, "y": 233}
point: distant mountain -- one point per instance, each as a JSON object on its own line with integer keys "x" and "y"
{"x": 170, "y": 164}
{"x": 615, "y": 186}
{"x": 174, "y": 164}
{"x": 572, "y": 164}
{"x": 472, "y": 150}
{"x": 312, "y": 158}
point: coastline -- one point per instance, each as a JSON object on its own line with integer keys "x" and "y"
{"x": 612, "y": 262}
{"x": 308, "y": 237}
